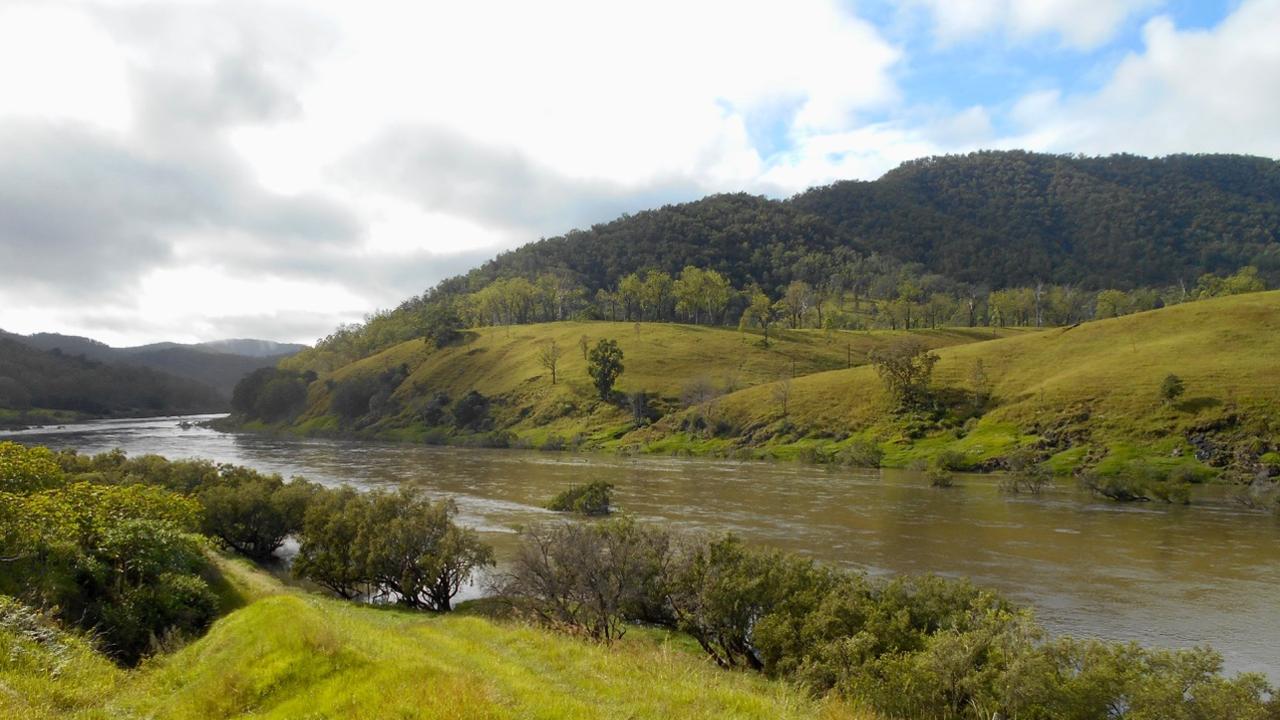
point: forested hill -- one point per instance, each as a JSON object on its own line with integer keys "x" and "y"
{"x": 32, "y": 379}
{"x": 1000, "y": 219}
{"x": 218, "y": 364}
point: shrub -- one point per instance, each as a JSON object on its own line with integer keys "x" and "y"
{"x": 434, "y": 412}
{"x": 24, "y": 469}
{"x": 591, "y": 499}
{"x": 588, "y": 579}
{"x": 471, "y": 411}
{"x": 861, "y": 453}
{"x": 1172, "y": 388}
{"x": 397, "y": 546}
{"x": 254, "y": 514}
{"x": 414, "y": 551}
{"x": 1026, "y": 473}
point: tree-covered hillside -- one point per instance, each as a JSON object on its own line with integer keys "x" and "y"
{"x": 218, "y": 364}
{"x": 52, "y": 380}
{"x": 1001, "y": 219}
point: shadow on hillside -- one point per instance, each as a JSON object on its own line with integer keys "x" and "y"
{"x": 1195, "y": 405}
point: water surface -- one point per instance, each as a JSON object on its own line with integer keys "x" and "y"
{"x": 1160, "y": 575}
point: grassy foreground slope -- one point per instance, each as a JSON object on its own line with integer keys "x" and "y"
{"x": 287, "y": 654}
{"x": 1087, "y": 394}
{"x": 663, "y": 360}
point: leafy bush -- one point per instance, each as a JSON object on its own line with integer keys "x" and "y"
{"x": 861, "y": 453}
{"x": 471, "y": 411}
{"x": 120, "y": 561}
{"x": 588, "y": 579}
{"x": 254, "y": 515}
{"x": 24, "y": 469}
{"x": 434, "y": 412}
{"x": 594, "y": 498}
{"x": 397, "y": 545}
{"x": 924, "y": 647}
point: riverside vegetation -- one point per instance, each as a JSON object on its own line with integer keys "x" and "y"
{"x": 1085, "y": 400}
{"x": 110, "y": 560}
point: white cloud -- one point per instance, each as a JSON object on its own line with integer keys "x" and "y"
{"x": 235, "y": 132}
{"x": 1212, "y": 90}
{"x": 1081, "y": 24}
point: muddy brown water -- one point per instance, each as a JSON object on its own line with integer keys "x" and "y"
{"x": 1208, "y": 574}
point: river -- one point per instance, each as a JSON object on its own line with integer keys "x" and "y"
{"x": 1157, "y": 574}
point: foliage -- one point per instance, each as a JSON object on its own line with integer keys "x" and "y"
{"x": 24, "y": 470}
{"x": 905, "y": 367}
{"x": 119, "y": 560}
{"x": 471, "y": 411}
{"x": 57, "y": 381}
{"x": 591, "y": 499}
{"x": 604, "y": 366}
{"x": 270, "y": 394}
{"x": 1172, "y": 388}
{"x": 441, "y": 323}
{"x": 922, "y": 647}
{"x": 589, "y": 579}
{"x": 392, "y": 545}
{"x": 253, "y": 515}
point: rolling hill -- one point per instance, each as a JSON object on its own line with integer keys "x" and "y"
{"x": 218, "y": 364}
{"x": 34, "y": 380}
{"x": 1082, "y": 395}
{"x": 671, "y": 364}
{"x": 1085, "y": 396}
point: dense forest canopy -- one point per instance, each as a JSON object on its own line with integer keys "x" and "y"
{"x": 1001, "y": 219}
{"x": 53, "y": 380}
{"x": 989, "y": 238}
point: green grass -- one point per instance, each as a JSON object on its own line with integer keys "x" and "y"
{"x": 661, "y": 359}
{"x": 287, "y": 654}
{"x": 1099, "y": 381}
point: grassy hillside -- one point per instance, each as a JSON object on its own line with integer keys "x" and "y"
{"x": 1085, "y": 394}
{"x": 666, "y": 361}
{"x": 287, "y": 654}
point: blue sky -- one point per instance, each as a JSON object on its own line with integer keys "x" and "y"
{"x": 234, "y": 168}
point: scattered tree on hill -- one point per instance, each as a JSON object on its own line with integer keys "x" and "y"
{"x": 604, "y": 366}
{"x": 981, "y": 385}
{"x": 906, "y": 367}
{"x": 759, "y": 313}
{"x": 584, "y": 344}
{"x": 1171, "y": 388}
{"x": 549, "y": 357}
{"x": 781, "y": 392}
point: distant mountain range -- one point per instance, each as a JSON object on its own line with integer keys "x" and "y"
{"x": 218, "y": 365}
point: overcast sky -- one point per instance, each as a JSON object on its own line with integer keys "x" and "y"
{"x": 191, "y": 171}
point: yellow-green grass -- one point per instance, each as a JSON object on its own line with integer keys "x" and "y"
{"x": 660, "y": 359}
{"x": 292, "y": 655}
{"x": 1099, "y": 380}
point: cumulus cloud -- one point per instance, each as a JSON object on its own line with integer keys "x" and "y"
{"x": 198, "y": 169}
{"x": 1186, "y": 91}
{"x": 1081, "y": 24}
